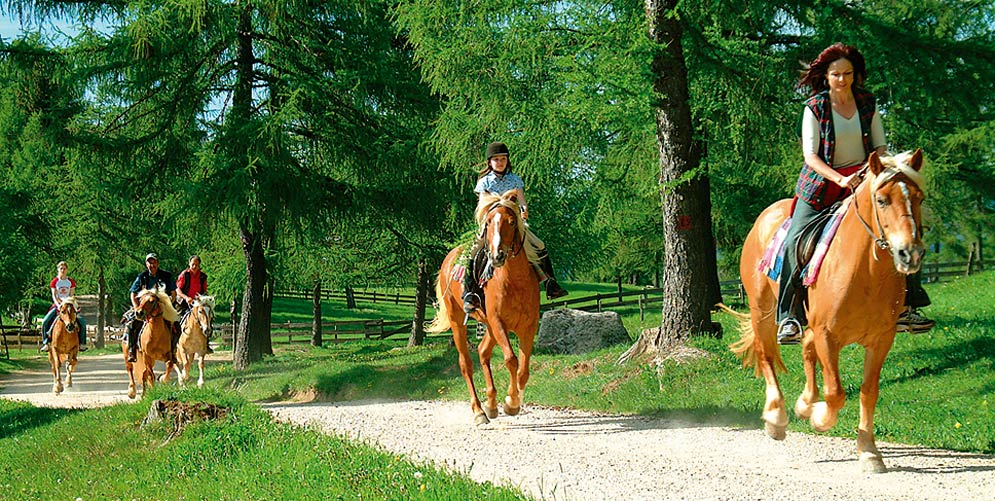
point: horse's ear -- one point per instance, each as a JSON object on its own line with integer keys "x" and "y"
{"x": 916, "y": 161}
{"x": 874, "y": 163}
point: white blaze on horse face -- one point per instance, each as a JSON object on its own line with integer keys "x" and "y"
{"x": 495, "y": 234}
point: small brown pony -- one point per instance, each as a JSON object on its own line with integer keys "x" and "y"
{"x": 193, "y": 339}
{"x": 857, "y": 298}
{"x": 154, "y": 307}
{"x": 511, "y": 304}
{"x": 64, "y": 347}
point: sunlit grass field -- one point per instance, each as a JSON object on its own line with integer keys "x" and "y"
{"x": 937, "y": 390}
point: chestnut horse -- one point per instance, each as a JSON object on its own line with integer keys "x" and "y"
{"x": 64, "y": 347}
{"x": 511, "y": 304}
{"x": 857, "y": 298}
{"x": 154, "y": 307}
{"x": 193, "y": 339}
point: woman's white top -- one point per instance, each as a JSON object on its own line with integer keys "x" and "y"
{"x": 849, "y": 149}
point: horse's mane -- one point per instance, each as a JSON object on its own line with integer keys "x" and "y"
{"x": 168, "y": 312}
{"x": 489, "y": 200}
{"x": 71, "y": 300}
{"x": 895, "y": 165}
{"x": 207, "y": 301}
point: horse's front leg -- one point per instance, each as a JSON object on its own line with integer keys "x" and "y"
{"x": 53, "y": 360}
{"x": 164, "y": 378}
{"x": 825, "y": 413}
{"x": 513, "y": 402}
{"x": 200, "y": 367}
{"x": 809, "y": 395}
{"x": 485, "y": 350}
{"x": 525, "y": 344}
{"x": 70, "y": 368}
{"x": 870, "y": 457}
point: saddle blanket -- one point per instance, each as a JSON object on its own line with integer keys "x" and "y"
{"x": 773, "y": 258}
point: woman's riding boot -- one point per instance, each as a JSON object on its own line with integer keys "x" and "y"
{"x": 471, "y": 301}
{"x": 553, "y": 289}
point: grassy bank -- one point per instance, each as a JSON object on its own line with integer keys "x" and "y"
{"x": 107, "y": 454}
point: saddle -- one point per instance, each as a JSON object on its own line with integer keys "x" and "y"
{"x": 480, "y": 268}
{"x": 811, "y": 246}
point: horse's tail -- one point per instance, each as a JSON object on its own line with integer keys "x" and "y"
{"x": 441, "y": 321}
{"x": 745, "y": 348}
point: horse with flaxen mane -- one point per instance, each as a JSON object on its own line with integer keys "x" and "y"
{"x": 859, "y": 293}
{"x": 193, "y": 339}
{"x": 64, "y": 347}
{"x": 510, "y": 304}
{"x": 154, "y": 308}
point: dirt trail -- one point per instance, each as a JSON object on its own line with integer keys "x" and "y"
{"x": 570, "y": 455}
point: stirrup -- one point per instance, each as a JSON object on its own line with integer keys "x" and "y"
{"x": 470, "y": 302}
{"x": 789, "y": 332}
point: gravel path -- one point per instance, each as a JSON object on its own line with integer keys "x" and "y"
{"x": 570, "y": 455}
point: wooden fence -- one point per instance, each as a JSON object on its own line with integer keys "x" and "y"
{"x": 335, "y": 332}
{"x": 16, "y": 334}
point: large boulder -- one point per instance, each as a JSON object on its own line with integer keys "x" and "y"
{"x": 566, "y": 331}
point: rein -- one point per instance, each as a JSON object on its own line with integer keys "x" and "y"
{"x": 881, "y": 242}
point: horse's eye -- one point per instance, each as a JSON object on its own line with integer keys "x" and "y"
{"x": 882, "y": 202}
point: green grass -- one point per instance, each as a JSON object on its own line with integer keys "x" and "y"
{"x": 937, "y": 390}
{"x": 107, "y": 454}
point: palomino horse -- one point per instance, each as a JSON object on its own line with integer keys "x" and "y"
{"x": 857, "y": 298}
{"x": 64, "y": 346}
{"x": 154, "y": 307}
{"x": 193, "y": 340}
{"x": 511, "y": 304}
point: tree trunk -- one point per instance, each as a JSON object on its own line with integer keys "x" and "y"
{"x": 350, "y": 298}
{"x": 316, "y": 309}
{"x": 417, "y": 337}
{"x": 101, "y": 310}
{"x": 686, "y": 207}
{"x": 252, "y": 327}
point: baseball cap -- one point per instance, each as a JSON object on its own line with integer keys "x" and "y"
{"x": 151, "y": 255}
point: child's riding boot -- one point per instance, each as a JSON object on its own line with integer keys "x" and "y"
{"x": 553, "y": 289}
{"x": 471, "y": 301}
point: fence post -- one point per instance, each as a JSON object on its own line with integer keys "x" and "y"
{"x": 642, "y": 315}
{"x": 290, "y": 333}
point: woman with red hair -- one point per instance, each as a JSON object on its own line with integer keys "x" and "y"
{"x": 841, "y": 126}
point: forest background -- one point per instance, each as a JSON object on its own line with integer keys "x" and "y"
{"x": 295, "y": 142}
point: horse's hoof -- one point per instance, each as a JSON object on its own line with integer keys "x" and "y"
{"x": 131, "y": 393}
{"x": 872, "y": 463}
{"x": 509, "y": 409}
{"x": 491, "y": 412}
{"x": 56, "y": 389}
{"x": 200, "y": 384}
{"x": 776, "y": 432}
{"x": 481, "y": 419}
{"x": 822, "y": 419}
{"x": 803, "y": 409}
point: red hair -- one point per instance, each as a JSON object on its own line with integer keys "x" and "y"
{"x": 814, "y": 74}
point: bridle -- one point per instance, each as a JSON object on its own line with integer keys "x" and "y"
{"x": 885, "y": 175}
{"x": 65, "y": 318}
{"x": 518, "y": 241}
